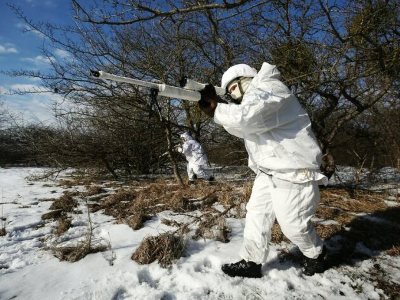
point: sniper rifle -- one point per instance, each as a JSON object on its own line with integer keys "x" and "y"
{"x": 189, "y": 90}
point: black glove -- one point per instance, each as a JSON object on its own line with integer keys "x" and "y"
{"x": 209, "y": 100}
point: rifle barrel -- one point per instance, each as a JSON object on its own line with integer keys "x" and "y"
{"x": 163, "y": 89}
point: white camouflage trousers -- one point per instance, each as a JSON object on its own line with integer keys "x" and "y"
{"x": 292, "y": 204}
{"x": 201, "y": 171}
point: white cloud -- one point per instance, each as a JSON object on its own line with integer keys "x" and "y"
{"x": 32, "y": 107}
{"x": 26, "y": 87}
{"x": 62, "y": 54}
{"x": 32, "y": 110}
{"x": 35, "y": 79}
{"x": 27, "y": 28}
{"x": 22, "y": 26}
{"x": 39, "y": 60}
{"x": 8, "y": 48}
{"x": 36, "y": 107}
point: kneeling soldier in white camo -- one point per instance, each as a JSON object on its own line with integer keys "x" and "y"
{"x": 196, "y": 157}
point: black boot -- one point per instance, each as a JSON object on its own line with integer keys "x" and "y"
{"x": 192, "y": 180}
{"x": 315, "y": 265}
{"x": 243, "y": 269}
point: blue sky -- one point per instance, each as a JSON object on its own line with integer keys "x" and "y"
{"x": 22, "y": 50}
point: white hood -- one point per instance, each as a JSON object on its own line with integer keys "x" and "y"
{"x": 240, "y": 70}
{"x": 186, "y": 136}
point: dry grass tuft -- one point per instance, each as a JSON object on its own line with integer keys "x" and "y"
{"x": 183, "y": 228}
{"x": 165, "y": 248}
{"x": 63, "y": 225}
{"x": 65, "y": 203}
{"x": 390, "y": 288}
{"x": 394, "y": 251}
{"x": 357, "y": 201}
{"x": 123, "y": 195}
{"x": 3, "y": 231}
{"x": 137, "y": 220}
{"x": 327, "y": 213}
{"x": 162, "y": 196}
{"x": 117, "y": 205}
{"x": 237, "y": 195}
{"x": 327, "y": 231}
{"x": 199, "y": 204}
{"x": 54, "y": 214}
{"x": 214, "y": 228}
{"x": 75, "y": 253}
{"x": 94, "y": 190}
{"x": 331, "y": 213}
{"x": 171, "y": 223}
{"x": 68, "y": 183}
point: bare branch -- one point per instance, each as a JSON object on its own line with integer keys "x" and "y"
{"x": 155, "y": 13}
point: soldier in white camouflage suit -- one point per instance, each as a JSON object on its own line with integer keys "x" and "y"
{"x": 196, "y": 157}
{"x": 284, "y": 154}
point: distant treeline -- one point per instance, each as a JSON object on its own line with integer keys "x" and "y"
{"x": 372, "y": 142}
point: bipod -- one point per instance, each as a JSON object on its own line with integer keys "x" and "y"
{"x": 153, "y": 100}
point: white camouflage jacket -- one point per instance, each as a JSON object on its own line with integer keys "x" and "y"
{"x": 275, "y": 128}
{"x": 194, "y": 152}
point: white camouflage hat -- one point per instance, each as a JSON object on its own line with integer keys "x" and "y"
{"x": 240, "y": 70}
{"x": 186, "y": 136}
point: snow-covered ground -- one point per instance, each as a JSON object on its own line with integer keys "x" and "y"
{"x": 28, "y": 270}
